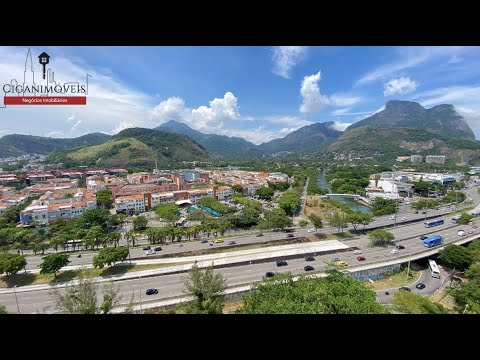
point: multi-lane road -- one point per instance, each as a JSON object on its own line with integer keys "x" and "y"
{"x": 171, "y": 285}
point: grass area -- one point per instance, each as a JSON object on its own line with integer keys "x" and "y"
{"x": 231, "y": 306}
{"x": 37, "y": 279}
{"x": 320, "y": 207}
{"x": 344, "y": 235}
{"x": 396, "y": 280}
{"x": 442, "y": 297}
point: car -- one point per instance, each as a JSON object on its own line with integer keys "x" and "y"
{"x": 420, "y": 286}
{"x": 204, "y": 242}
{"x": 232, "y": 242}
{"x": 400, "y": 247}
{"x": 290, "y": 235}
{"x": 219, "y": 240}
{"x": 391, "y": 218}
{"x": 150, "y": 252}
{"x": 269, "y": 274}
{"x": 151, "y": 292}
{"x": 309, "y": 230}
{"x": 461, "y": 233}
{"x": 475, "y": 226}
{"x": 282, "y": 263}
{"x": 341, "y": 263}
{"x": 259, "y": 234}
{"x": 423, "y": 237}
{"x": 403, "y": 218}
{"x": 335, "y": 258}
{"x": 147, "y": 248}
{"x": 357, "y": 252}
{"x": 415, "y": 212}
{"x": 470, "y": 232}
{"x": 424, "y": 212}
{"x": 308, "y": 268}
{"x": 361, "y": 258}
{"x": 158, "y": 248}
{"x": 404, "y": 288}
{"x": 394, "y": 251}
{"x": 144, "y": 237}
{"x": 309, "y": 258}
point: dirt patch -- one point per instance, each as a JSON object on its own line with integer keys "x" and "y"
{"x": 320, "y": 207}
{"x": 232, "y": 306}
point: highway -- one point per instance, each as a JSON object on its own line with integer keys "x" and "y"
{"x": 171, "y": 285}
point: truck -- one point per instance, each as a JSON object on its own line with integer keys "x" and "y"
{"x": 432, "y": 241}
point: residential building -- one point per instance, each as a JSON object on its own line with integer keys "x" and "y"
{"x": 435, "y": 159}
{"x": 416, "y": 159}
{"x": 130, "y": 204}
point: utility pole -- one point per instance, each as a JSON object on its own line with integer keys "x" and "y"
{"x": 140, "y": 292}
{"x": 409, "y": 257}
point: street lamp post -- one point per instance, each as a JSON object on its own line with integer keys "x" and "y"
{"x": 128, "y": 245}
{"x": 140, "y": 292}
{"x": 409, "y": 257}
{"x": 16, "y": 300}
{"x": 464, "y": 310}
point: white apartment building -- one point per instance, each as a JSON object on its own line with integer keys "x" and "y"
{"x": 130, "y": 204}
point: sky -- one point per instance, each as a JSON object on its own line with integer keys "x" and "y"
{"x": 258, "y": 93}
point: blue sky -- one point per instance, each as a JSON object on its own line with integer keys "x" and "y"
{"x": 259, "y": 93}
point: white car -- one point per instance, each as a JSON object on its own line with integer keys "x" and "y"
{"x": 391, "y": 218}
{"x": 150, "y": 252}
{"x": 357, "y": 252}
{"x": 461, "y": 233}
{"x": 404, "y": 218}
{"x": 394, "y": 251}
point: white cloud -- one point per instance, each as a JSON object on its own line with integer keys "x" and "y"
{"x": 122, "y": 126}
{"x": 460, "y": 95}
{"x": 402, "y": 85}
{"x": 411, "y": 57}
{"x": 285, "y": 58}
{"x": 287, "y": 120}
{"x": 346, "y": 112}
{"x": 310, "y": 91}
{"x": 313, "y": 100}
{"x": 340, "y": 126}
{"x": 171, "y": 109}
{"x": 220, "y": 110}
{"x": 109, "y": 101}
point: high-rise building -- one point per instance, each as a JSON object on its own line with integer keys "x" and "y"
{"x": 435, "y": 159}
{"x": 416, "y": 159}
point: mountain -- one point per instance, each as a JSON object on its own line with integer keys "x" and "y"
{"x": 181, "y": 128}
{"x": 134, "y": 147}
{"x": 16, "y": 144}
{"x": 307, "y": 138}
{"x": 218, "y": 145}
{"x": 380, "y": 144}
{"x": 441, "y": 119}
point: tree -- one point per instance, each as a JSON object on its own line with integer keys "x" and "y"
{"x": 265, "y": 193}
{"x": 290, "y": 201}
{"x": 340, "y": 222}
{"x": 316, "y": 221}
{"x": 455, "y": 256}
{"x": 466, "y": 296}
{"x": 104, "y": 199}
{"x": 277, "y": 219}
{"x": 465, "y": 218}
{"x": 167, "y": 212}
{"x": 473, "y": 273}
{"x": 140, "y": 223}
{"x": 406, "y": 302}
{"x": 3, "y": 310}
{"x": 358, "y": 218}
{"x": 422, "y": 187}
{"x": 237, "y": 189}
{"x": 248, "y": 218}
{"x": 333, "y": 294}
{"x": 303, "y": 223}
{"x": 109, "y": 256}
{"x": 208, "y": 290}
{"x": 130, "y": 236}
{"x": 380, "y": 237}
{"x": 53, "y": 263}
{"x": 10, "y": 264}
{"x": 94, "y": 217}
{"x": 383, "y": 206}
{"x": 81, "y": 298}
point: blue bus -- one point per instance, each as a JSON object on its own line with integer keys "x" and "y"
{"x": 432, "y": 241}
{"x": 434, "y": 222}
